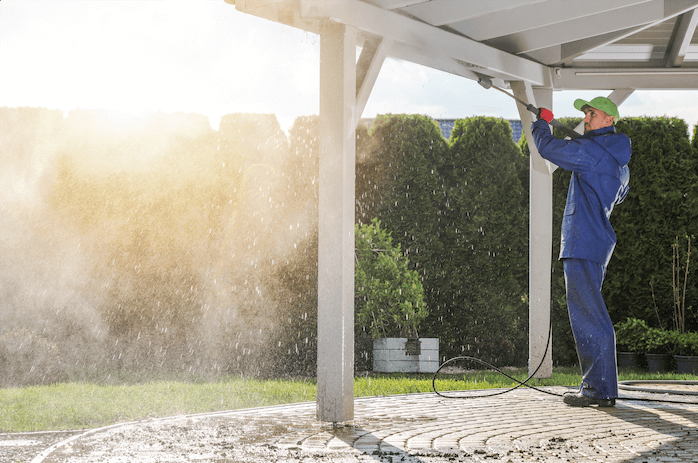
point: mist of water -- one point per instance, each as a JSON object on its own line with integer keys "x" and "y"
{"x": 156, "y": 243}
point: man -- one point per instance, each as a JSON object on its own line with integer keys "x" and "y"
{"x": 598, "y": 161}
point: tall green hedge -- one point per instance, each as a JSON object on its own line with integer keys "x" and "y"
{"x": 295, "y": 277}
{"x": 223, "y": 235}
{"x": 662, "y": 205}
{"x": 410, "y": 149}
{"x": 479, "y": 306}
{"x": 459, "y": 212}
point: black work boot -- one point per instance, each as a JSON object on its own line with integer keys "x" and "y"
{"x": 577, "y": 399}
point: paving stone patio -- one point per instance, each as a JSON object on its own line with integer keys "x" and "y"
{"x": 522, "y": 426}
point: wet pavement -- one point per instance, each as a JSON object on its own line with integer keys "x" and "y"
{"x": 521, "y": 426}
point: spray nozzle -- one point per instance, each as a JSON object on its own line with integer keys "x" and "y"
{"x": 485, "y": 82}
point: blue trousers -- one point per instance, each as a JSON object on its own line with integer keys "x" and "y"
{"x": 592, "y": 328}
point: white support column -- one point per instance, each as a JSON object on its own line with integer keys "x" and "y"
{"x": 335, "y": 375}
{"x": 540, "y": 235}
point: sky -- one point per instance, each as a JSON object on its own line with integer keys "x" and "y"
{"x": 203, "y": 56}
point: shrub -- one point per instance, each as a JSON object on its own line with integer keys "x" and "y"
{"x": 630, "y": 334}
{"x": 684, "y": 343}
{"x": 389, "y": 296}
{"x": 657, "y": 341}
{"x": 459, "y": 213}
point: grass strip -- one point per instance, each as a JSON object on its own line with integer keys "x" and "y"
{"x": 89, "y": 405}
{"x": 127, "y": 397}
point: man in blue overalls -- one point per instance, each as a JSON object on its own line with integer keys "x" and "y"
{"x": 598, "y": 161}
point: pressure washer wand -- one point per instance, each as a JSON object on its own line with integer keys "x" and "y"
{"x": 487, "y": 84}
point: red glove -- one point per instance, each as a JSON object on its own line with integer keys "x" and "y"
{"x": 546, "y": 114}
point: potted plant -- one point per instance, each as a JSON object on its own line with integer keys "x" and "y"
{"x": 389, "y": 304}
{"x": 657, "y": 349}
{"x": 660, "y": 343}
{"x": 629, "y": 342}
{"x": 685, "y": 351}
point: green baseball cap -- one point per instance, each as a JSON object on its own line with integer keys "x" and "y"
{"x": 601, "y": 103}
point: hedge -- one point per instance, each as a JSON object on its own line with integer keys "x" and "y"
{"x": 459, "y": 211}
{"x": 661, "y": 206}
{"x": 204, "y": 246}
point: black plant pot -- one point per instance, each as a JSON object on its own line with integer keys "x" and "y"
{"x": 686, "y": 364}
{"x": 658, "y": 363}
{"x": 628, "y": 360}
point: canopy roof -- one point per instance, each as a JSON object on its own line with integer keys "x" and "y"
{"x": 559, "y": 44}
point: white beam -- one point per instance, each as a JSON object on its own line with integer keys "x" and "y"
{"x": 280, "y": 11}
{"x": 384, "y": 23}
{"x": 570, "y": 51}
{"x": 335, "y": 375}
{"x": 525, "y": 93}
{"x": 373, "y": 54}
{"x": 566, "y": 52}
{"x": 540, "y": 236}
{"x": 619, "y": 95}
{"x": 591, "y": 26}
{"x": 393, "y": 4}
{"x": 637, "y": 78}
{"x": 677, "y": 7}
{"x": 534, "y": 17}
{"x": 443, "y": 63}
{"x": 684, "y": 34}
{"x": 442, "y": 12}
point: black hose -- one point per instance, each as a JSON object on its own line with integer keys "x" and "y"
{"x": 630, "y": 386}
{"x": 492, "y": 367}
{"x": 627, "y": 385}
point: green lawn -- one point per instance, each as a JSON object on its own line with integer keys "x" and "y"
{"x": 101, "y": 400}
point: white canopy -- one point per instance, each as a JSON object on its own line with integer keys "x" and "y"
{"x": 560, "y": 44}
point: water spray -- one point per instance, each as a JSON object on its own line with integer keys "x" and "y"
{"x": 486, "y": 83}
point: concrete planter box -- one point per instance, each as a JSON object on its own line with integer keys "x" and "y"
{"x": 391, "y": 356}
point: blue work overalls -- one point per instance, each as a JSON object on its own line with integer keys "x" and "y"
{"x": 598, "y": 161}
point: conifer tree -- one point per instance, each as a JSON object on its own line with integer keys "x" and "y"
{"x": 411, "y": 149}
{"x": 480, "y": 306}
{"x": 662, "y": 205}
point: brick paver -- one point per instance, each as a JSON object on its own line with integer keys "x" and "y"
{"x": 521, "y": 426}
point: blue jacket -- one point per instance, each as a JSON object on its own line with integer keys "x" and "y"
{"x": 598, "y": 161}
